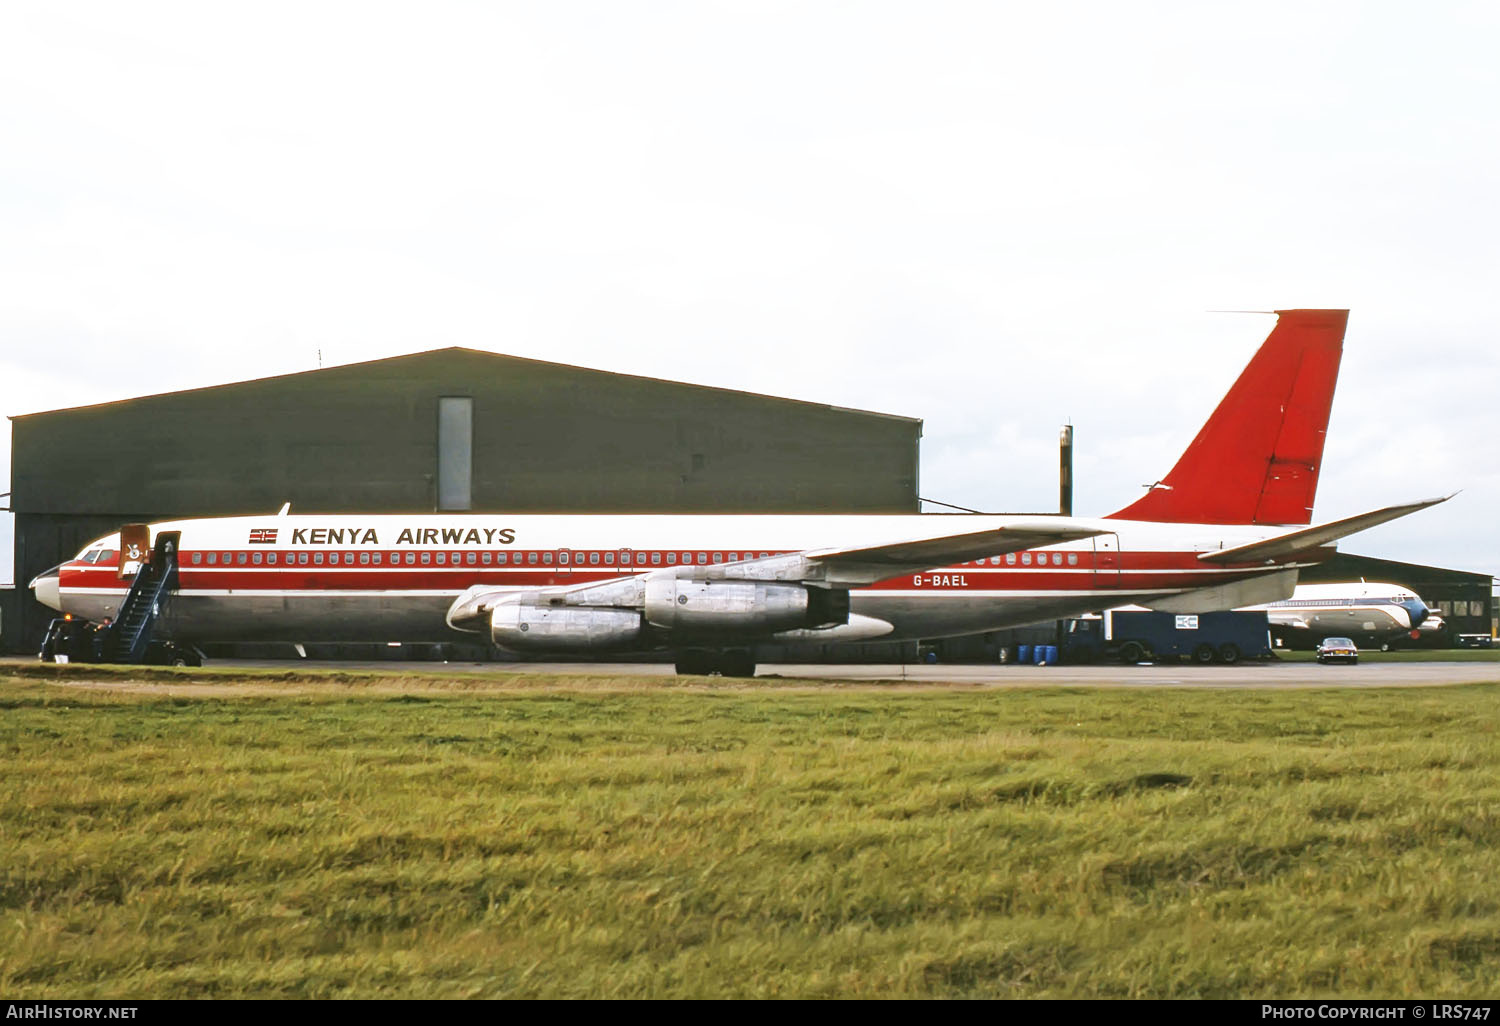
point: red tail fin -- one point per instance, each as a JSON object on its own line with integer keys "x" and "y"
{"x": 1256, "y": 461}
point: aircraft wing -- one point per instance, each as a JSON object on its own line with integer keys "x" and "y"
{"x": 1273, "y": 550}
{"x": 923, "y": 553}
{"x": 865, "y": 564}
{"x": 852, "y": 567}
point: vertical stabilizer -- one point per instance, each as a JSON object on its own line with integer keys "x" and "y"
{"x": 1256, "y": 460}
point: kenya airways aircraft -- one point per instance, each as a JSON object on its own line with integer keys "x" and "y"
{"x": 1226, "y": 528}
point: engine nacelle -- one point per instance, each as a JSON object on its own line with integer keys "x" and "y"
{"x": 519, "y": 626}
{"x": 741, "y": 607}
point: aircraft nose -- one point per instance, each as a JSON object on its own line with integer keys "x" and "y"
{"x": 47, "y": 587}
{"x": 1416, "y": 612}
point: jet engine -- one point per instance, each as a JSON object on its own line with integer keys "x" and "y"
{"x": 741, "y": 608}
{"x": 646, "y": 612}
{"x": 524, "y": 627}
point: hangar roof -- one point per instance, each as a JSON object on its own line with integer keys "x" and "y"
{"x": 541, "y": 437}
{"x": 397, "y": 366}
{"x": 1344, "y": 566}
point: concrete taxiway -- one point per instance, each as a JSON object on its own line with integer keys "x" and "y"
{"x": 1246, "y": 675}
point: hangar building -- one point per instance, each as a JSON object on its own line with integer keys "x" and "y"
{"x": 447, "y": 430}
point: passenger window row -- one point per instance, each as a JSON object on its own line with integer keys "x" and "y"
{"x": 561, "y": 557}
{"x": 1026, "y": 559}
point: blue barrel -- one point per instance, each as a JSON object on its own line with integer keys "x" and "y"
{"x": 1023, "y": 654}
{"x": 1038, "y": 654}
{"x": 1051, "y": 655}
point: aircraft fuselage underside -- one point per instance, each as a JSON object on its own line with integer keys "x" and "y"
{"x": 319, "y": 617}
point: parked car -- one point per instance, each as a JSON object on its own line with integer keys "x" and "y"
{"x": 1332, "y": 650}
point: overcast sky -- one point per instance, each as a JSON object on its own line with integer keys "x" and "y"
{"x": 993, "y": 216}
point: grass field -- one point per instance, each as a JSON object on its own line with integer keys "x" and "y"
{"x": 577, "y": 837}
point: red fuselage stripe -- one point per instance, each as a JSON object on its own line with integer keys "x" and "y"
{"x": 1126, "y": 572}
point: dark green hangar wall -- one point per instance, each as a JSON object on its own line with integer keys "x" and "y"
{"x": 524, "y": 436}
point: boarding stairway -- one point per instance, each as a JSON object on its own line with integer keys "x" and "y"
{"x": 127, "y": 639}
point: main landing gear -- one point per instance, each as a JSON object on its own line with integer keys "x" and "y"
{"x": 730, "y": 663}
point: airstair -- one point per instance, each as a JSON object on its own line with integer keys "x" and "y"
{"x": 128, "y": 638}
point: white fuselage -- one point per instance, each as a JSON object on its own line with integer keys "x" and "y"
{"x": 392, "y": 578}
{"x": 1354, "y": 609}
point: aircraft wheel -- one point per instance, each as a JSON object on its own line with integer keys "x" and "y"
{"x": 737, "y": 664}
{"x": 695, "y": 663}
{"x": 1229, "y": 653}
{"x": 733, "y": 663}
{"x": 1203, "y": 654}
{"x": 182, "y": 655}
{"x": 1132, "y": 652}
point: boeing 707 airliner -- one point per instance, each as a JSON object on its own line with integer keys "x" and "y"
{"x": 1229, "y": 526}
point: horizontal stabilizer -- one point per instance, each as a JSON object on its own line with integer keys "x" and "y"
{"x": 1274, "y": 550}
